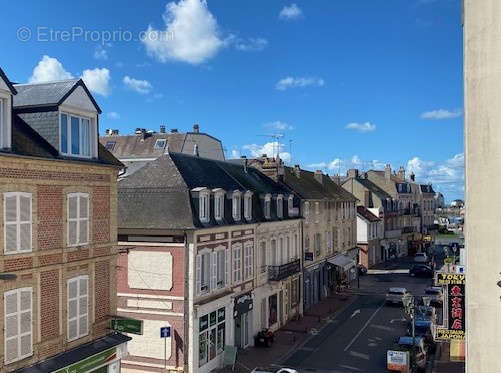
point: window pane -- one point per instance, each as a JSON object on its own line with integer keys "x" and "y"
{"x": 84, "y": 202}
{"x": 72, "y": 207}
{"x": 10, "y": 238}
{"x": 75, "y": 135}
{"x": 11, "y": 350}
{"x": 85, "y": 137}
{"x": 25, "y": 322}
{"x": 72, "y": 309}
{"x": 72, "y": 289}
{"x": 83, "y": 234}
{"x": 26, "y": 345}
{"x": 83, "y": 326}
{"x": 25, "y": 237}
{"x": 83, "y": 286}
{"x": 64, "y": 133}
{"x": 10, "y": 209}
{"x": 11, "y": 326}
{"x": 72, "y": 233}
{"x": 25, "y": 300}
{"x": 25, "y": 208}
{"x": 11, "y": 303}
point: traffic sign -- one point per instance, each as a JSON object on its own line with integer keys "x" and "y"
{"x": 165, "y": 332}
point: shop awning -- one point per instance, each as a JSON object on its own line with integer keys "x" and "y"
{"x": 343, "y": 261}
{"x": 77, "y": 354}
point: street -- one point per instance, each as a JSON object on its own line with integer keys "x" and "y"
{"x": 358, "y": 338}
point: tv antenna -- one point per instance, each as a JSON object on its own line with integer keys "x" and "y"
{"x": 275, "y": 137}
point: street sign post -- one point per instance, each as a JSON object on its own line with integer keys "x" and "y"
{"x": 165, "y": 333}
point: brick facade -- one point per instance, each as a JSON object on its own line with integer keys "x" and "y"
{"x": 51, "y": 263}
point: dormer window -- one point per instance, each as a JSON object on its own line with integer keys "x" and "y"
{"x": 218, "y": 204}
{"x": 78, "y": 136}
{"x": 236, "y": 205}
{"x": 204, "y": 206}
{"x": 280, "y": 206}
{"x": 248, "y": 205}
{"x": 267, "y": 206}
{"x": 5, "y": 117}
{"x": 110, "y": 145}
{"x": 290, "y": 205}
{"x": 160, "y": 144}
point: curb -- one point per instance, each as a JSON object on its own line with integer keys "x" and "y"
{"x": 334, "y": 315}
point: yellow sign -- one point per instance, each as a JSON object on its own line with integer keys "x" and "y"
{"x": 450, "y": 334}
{"x": 427, "y": 238}
{"x": 450, "y": 278}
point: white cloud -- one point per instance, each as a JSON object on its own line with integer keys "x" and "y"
{"x": 270, "y": 149}
{"x": 235, "y": 153}
{"x": 292, "y": 82}
{"x": 290, "y": 12}
{"x": 361, "y": 127}
{"x": 49, "y": 69}
{"x": 140, "y": 86}
{"x": 100, "y": 53}
{"x": 441, "y": 114}
{"x": 251, "y": 44}
{"x": 113, "y": 115}
{"x": 97, "y": 80}
{"x": 279, "y": 126}
{"x": 447, "y": 176}
{"x": 338, "y": 165}
{"x": 191, "y": 34}
{"x": 317, "y": 166}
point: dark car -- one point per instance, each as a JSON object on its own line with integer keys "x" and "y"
{"x": 423, "y": 329}
{"x": 421, "y": 270}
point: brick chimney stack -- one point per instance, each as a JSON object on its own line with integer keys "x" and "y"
{"x": 401, "y": 173}
{"x": 196, "y": 128}
{"x": 387, "y": 172}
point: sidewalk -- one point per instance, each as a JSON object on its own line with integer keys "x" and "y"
{"x": 291, "y": 335}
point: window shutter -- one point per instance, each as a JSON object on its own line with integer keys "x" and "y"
{"x": 251, "y": 260}
{"x": 72, "y": 220}
{"x": 25, "y": 223}
{"x": 198, "y": 274}
{"x": 83, "y": 309}
{"x": 26, "y": 345}
{"x": 213, "y": 279}
{"x": 83, "y": 236}
{"x": 72, "y": 309}
{"x": 227, "y": 258}
{"x": 11, "y": 326}
{"x": 10, "y": 223}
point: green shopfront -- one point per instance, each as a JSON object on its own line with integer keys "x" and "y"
{"x": 103, "y": 362}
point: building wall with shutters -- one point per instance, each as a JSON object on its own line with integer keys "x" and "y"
{"x": 50, "y": 263}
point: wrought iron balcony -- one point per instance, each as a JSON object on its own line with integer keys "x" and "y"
{"x": 277, "y": 273}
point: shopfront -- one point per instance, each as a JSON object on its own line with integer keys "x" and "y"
{"x": 242, "y": 313}
{"x": 346, "y": 268}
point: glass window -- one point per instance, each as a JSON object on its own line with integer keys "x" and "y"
{"x": 17, "y": 222}
{"x": 273, "y": 309}
{"x": 280, "y": 206}
{"x": 78, "y": 219}
{"x": 219, "y": 206}
{"x": 212, "y": 330}
{"x": 76, "y": 135}
{"x": 159, "y": 144}
{"x": 262, "y": 254}
{"x": 18, "y": 333}
{"x": 110, "y": 145}
{"x": 64, "y": 133}
{"x": 78, "y": 307}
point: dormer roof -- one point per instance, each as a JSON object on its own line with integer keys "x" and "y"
{"x": 48, "y": 94}
{"x": 7, "y": 82}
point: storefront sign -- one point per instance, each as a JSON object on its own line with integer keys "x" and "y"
{"x": 455, "y": 286}
{"x": 91, "y": 363}
{"x": 450, "y": 278}
{"x": 243, "y": 304}
{"x": 127, "y": 326}
{"x": 446, "y": 334}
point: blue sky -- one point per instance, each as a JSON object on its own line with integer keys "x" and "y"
{"x": 347, "y": 82}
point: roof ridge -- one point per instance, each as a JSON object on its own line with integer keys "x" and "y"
{"x": 48, "y": 82}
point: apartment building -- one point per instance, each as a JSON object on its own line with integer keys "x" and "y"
{"x": 58, "y": 229}
{"x": 329, "y": 226}
{"x": 210, "y": 249}
{"x": 369, "y": 235}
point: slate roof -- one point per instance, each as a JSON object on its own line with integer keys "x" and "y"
{"x": 159, "y": 195}
{"x": 48, "y": 93}
{"x": 305, "y": 185}
{"x": 382, "y": 194}
{"x": 426, "y": 188}
{"x": 366, "y": 214}
{"x": 8, "y": 82}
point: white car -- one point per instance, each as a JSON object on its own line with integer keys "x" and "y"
{"x": 396, "y": 295}
{"x": 421, "y": 258}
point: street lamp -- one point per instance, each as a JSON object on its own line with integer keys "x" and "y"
{"x": 7, "y": 276}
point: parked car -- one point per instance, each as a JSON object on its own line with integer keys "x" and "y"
{"x": 406, "y": 344}
{"x": 426, "y": 313}
{"x": 436, "y": 295}
{"x": 396, "y": 295}
{"x": 421, "y": 258}
{"x": 423, "y": 329}
{"x": 421, "y": 270}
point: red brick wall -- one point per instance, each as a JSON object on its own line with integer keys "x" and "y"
{"x": 102, "y": 290}
{"x": 50, "y": 217}
{"x": 49, "y": 304}
{"x": 18, "y": 264}
{"x": 363, "y": 255}
{"x": 101, "y": 214}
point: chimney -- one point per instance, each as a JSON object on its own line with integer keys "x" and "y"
{"x": 319, "y": 176}
{"x": 162, "y": 128}
{"x": 173, "y": 130}
{"x": 196, "y": 128}
{"x": 336, "y": 179}
{"x": 195, "y": 150}
{"x": 297, "y": 170}
{"x": 111, "y": 132}
{"x": 401, "y": 173}
{"x": 353, "y": 172}
{"x": 413, "y": 176}
{"x": 272, "y": 167}
{"x": 245, "y": 164}
{"x": 387, "y": 172}
{"x": 367, "y": 198}
{"x": 115, "y": 132}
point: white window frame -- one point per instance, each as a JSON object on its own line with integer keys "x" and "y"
{"x": 306, "y": 209}
{"x": 280, "y": 206}
{"x": 262, "y": 257}
{"x": 18, "y": 222}
{"x": 221, "y": 267}
{"x": 248, "y": 260}
{"x": 92, "y": 135}
{"x": 157, "y": 146}
{"x": 317, "y": 212}
{"x": 78, "y": 219}
{"x": 2, "y": 121}
{"x": 205, "y": 258}
{"x": 18, "y": 314}
{"x": 290, "y": 205}
{"x": 236, "y": 205}
{"x": 204, "y": 206}
{"x": 78, "y": 299}
{"x": 248, "y": 205}
{"x": 267, "y": 206}
{"x": 219, "y": 209}
{"x": 237, "y": 263}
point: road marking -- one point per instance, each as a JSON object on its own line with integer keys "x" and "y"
{"x": 397, "y": 320}
{"x": 382, "y": 327}
{"x": 355, "y": 313}
{"x": 360, "y": 355}
{"x": 388, "y": 271}
{"x": 350, "y": 368}
{"x": 363, "y": 327}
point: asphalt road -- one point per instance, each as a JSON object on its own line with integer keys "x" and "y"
{"x": 358, "y": 338}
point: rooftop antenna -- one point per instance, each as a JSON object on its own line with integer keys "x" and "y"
{"x": 290, "y": 150}
{"x": 275, "y": 137}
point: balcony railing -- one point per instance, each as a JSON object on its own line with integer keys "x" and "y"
{"x": 277, "y": 273}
